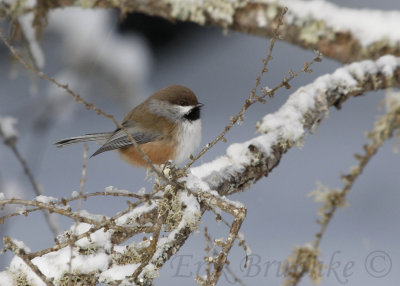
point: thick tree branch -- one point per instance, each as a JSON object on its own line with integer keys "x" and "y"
{"x": 309, "y": 24}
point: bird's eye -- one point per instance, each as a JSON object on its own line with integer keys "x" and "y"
{"x": 182, "y": 103}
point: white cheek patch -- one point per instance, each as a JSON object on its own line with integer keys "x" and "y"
{"x": 183, "y": 109}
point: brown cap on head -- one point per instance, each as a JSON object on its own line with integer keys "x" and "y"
{"x": 176, "y": 94}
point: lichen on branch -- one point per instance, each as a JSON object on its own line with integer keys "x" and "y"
{"x": 317, "y": 25}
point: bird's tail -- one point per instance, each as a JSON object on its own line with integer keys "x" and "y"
{"x": 85, "y": 138}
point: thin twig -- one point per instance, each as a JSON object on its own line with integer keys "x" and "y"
{"x": 239, "y": 214}
{"x": 83, "y": 177}
{"x": 391, "y": 121}
{"x": 50, "y": 207}
{"x": 64, "y": 201}
{"x": 242, "y": 242}
{"x": 230, "y": 271}
{"x": 108, "y": 223}
{"x": 208, "y": 257}
{"x": 12, "y": 143}
{"x": 79, "y": 207}
{"x": 150, "y": 250}
{"x": 235, "y": 277}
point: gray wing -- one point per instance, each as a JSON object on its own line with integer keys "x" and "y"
{"x": 120, "y": 139}
{"x": 84, "y": 138}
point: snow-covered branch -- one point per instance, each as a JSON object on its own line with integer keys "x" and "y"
{"x": 247, "y": 162}
{"x": 310, "y": 24}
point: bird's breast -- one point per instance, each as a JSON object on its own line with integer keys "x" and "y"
{"x": 188, "y": 138}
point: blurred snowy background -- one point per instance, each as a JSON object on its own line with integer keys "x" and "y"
{"x": 117, "y": 65}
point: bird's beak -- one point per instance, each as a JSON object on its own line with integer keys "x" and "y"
{"x": 200, "y": 105}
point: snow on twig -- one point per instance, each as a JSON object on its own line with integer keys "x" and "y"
{"x": 7, "y": 127}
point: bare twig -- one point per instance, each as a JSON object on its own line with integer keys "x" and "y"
{"x": 12, "y": 143}
{"x": 235, "y": 277}
{"x": 150, "y": 250}
{"x": 208, "y": 257}
{"x": 385, "y": 126}
{"x": 228, "y": 269}
{"x": 121, "y": 193}
{"x": 239, "y": 214}
{"x": 79, "y": 207}
{"x": 108, "y": 223}
{"x": 240, "y": 237}
{"x": 64, "y": 201}
{"x": 48, "y": 206}
{"x": 83, "y": 177}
